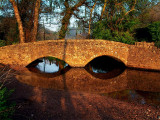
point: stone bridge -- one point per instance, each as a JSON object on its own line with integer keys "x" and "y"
{"x": 77, "y": 53}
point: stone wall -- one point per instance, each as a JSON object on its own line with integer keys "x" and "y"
{"x": 77, "y": 53}
{"x": 144, "y": 57}
{"x": 145, "y": 44}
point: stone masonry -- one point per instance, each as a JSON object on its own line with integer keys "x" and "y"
{"x": 77, "y": 53}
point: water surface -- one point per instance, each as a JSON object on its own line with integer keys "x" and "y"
{"x": 123, "y": 84}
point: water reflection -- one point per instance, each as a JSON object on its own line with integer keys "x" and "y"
{"x": 50, "y": 66}
{"x": 47, "y": 65}
{"x": 117, "y": 82}
{"x": 102, "y": 67}
{"x": 131, "y": 85}
{"x": 105, "y": 67}
{"x": 142, "y": 97}
{"x": 104, "y": 64}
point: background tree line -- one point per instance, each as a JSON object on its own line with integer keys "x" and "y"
{"x": 118, "y": 20}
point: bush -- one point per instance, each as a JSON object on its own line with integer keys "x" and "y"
{"x": 6, "y": 108}
{"x": 121, "y": 33}
{"x": 154, "y": 30}
{"x": 2, "y": 43}
{"x": 124, "y": 37}
{"x": 100, "y": 32}
{"x": 157, "y": 44}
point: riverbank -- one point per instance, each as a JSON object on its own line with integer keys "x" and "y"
{"x": 34, "y": 103}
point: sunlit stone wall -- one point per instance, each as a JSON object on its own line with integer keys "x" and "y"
{"x": 144, "y": 57}
{"x": 77, "y": 53}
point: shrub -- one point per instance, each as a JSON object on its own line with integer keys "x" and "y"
{"x": 2, "y": 43}
{"x": 157, "y": 44}
{"x": 100, "y": 32}
{"x": 154, "y": 30}
{"x": 122, "y": 32}
{"x": 6, "y": 108}
{"x": 124, "y": 37}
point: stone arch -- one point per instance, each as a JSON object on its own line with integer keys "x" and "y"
{"x": 116, "y": 58}
{"x": 35, "y": 58}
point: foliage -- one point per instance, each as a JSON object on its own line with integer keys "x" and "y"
{"x": 119, "y": 16}
{"x": 8, "y": 30}
{"x": 150, "y": 33}
{"x": 2, "y": 43}
{"x": 121, "y": 33}
{"x": 56, "y": 59}
{"x": 51, "y": 58}
{"x": 157, "y": 44}
{"x": 121, "y": 21}
{"x": 150, "y": 14}
{"x": 6, "y": 109}
{"x": 154, "y": 30}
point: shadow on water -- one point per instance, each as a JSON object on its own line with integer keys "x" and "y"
{"x": 67, "y": 98}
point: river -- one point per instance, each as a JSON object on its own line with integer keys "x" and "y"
{"x": 120, "y": 83}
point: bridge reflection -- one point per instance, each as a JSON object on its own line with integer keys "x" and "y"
{"x": 78, "y": 79}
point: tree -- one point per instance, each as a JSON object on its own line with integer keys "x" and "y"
{"x": 20, "y": 24}
{"x": 90, "y": 19}
{"x": 18, "y": 18}
{"x": 120, "y": 18}
{"x": 36, "y": 16}
{"x": 117, "y": 21}
{"x": 26, "y": 9}
{"x": 69, "y": 11}
{"x": 150, "y": 14}
{"x": 103, "y": 10}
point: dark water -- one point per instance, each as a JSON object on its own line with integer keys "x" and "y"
{"x": 106, "y": 76}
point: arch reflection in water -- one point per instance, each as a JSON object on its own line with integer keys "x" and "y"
{"x": 47, "y": 65}
{"x": 131, "y": 85}
{"x": 78, "y": 79}
{"x": 105, "y": 67}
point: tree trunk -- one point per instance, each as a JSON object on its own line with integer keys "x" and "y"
{"x": 90, "y": 20}
{"x": 19, "y": 21}
{"x": 68, "y": 14}
{"x": 65, "y": 22}
{"x": 36, "y": 16}
{"x": 103, "y": 10}
{"x": 132, "y": 9}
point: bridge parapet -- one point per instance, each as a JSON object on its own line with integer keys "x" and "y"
{"x": 145, "y": 44}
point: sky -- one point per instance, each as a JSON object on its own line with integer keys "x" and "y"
{"x": 55, "y": 25}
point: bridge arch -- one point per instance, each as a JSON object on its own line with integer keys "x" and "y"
{"x": 36, "y": 58}
{"x": 109, "y": 56}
